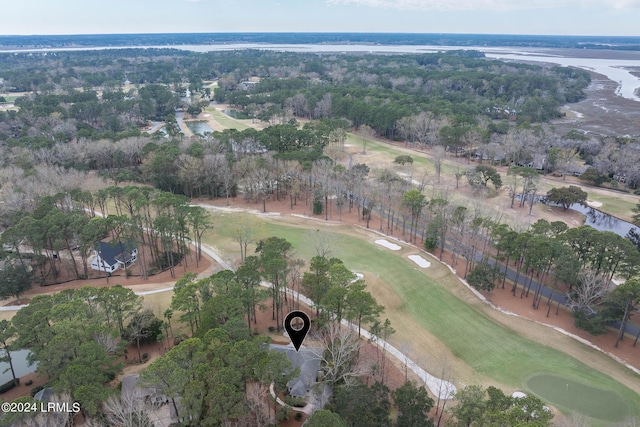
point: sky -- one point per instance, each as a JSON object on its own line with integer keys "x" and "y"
{"x": 554, "y": 17}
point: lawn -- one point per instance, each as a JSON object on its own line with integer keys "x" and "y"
{"x": 226, "y": 121}
{"x": 158, "y": 303}
{"x": 483, "y": 350}
{"x": 390, "y": 152}
{"x": 593, "y": 402}
{"x": 614, "y": 205}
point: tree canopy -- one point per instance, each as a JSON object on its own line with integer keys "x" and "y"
{"x": 567, "y": 196}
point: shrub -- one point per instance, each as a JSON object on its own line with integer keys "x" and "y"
{"x": 164, "y": 260}
{"x": 318, "y": 207}
{"x": 35, "y": 390}
{"x": 592, "y": 176}
{"x": 402, "y": 159}
{"x": 7, "y": 386}
{"x": 595, "y": 324}
{"x": 177, "y": 340}
{"x": 283, "y": 413}
{"x": 297, "y": 402}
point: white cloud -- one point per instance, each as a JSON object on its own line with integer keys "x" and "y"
{"x": 488, "y": 4}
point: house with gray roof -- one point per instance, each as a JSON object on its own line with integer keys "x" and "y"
{"x": 308, "y": 360}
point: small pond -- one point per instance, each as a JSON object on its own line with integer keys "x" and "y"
{"x": 20, "y": 364}
{"x": 597, "y": 219}
{"x": 604, "y": 222}
{"x": 199, "y": 127}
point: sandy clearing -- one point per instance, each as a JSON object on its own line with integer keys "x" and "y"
{"x": 236, "y": 210}
{"x": 423, "y": 263}
{"x": 388, "y": 245}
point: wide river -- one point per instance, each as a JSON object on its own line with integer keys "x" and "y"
{"x": 615, "y": 69}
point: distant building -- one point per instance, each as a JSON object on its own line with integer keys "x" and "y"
{"x": 538, "y": 163}
{"x": 110, "y": 256}
{"x": 246, "y": 85}
{"x": 577, "y": 170}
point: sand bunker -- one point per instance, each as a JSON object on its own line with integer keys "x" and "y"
{"x": 388, "y": 245}
{"x": 594, "y": 204}
{"x": 420, "y": 261}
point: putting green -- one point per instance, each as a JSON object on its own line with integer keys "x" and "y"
{"x": 590, "y": 401}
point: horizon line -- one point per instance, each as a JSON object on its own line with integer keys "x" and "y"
{"x": 322, "y": 33}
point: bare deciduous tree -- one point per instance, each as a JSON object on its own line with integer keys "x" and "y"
{"x": 366, "y": 132}
{"x": 592, "y": 288}
{"x": 421, "y": 127}
{"x": 259, "y": 413}
{"x": 322, "y": 242}
{"x": 340, "y": 357}
{"x": 242, "y": 232}
{"x": 323, "y": 107}
{"x": 438, "y": 154}
{"x": 130, "y": 410}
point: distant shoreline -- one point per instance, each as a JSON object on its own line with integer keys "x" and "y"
{"x": 596, "y": 43}
{"x": 532, "y": 53}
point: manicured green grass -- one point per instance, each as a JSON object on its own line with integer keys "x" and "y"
{"x": 388, "y": 149}
{"x": 158, "y": 303}
{"x": 420, "y": 160}
{"x": 226, "y": 121}
{"x": 614, "y": 205}
{"x": 593, "y": 402}
{"x": 492, "y": 350}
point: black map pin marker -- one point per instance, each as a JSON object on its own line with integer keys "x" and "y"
{"x": 297, "y": 324}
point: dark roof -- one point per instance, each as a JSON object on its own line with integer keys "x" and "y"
{"x": 112, "y": 252}
{"x": 131, "y": 385}
{"x": 308, "y": 360}
{"x": 44, "y": 395}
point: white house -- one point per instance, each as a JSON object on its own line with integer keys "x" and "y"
{"x": 110, "y": 256}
